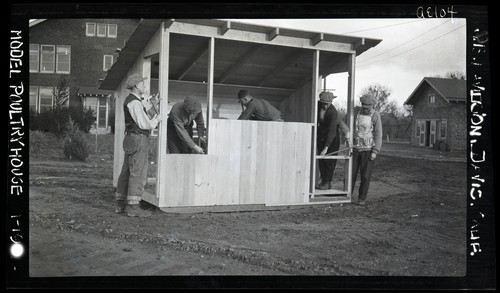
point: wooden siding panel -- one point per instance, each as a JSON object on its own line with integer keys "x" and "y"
{"x": 249, "y": 162}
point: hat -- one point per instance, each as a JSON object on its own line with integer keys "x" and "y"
{"x": 242, "y": 94}
{"x": 134, "y": 79}
{"x": 191, "y": 105}
{"x": 368, "y": 99}
{"x": 326, "y": 97}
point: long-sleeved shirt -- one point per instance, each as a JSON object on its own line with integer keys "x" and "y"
{"x": 258, "y": 109}
{"x": 180, "y": 119}
{"x": 136, "y": 117}
{"x": 327, "y": 125}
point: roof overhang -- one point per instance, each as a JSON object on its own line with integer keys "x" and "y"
{"x": 233, "y": 31}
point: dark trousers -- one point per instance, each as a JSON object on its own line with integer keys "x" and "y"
{"x": 326, "y": 167}
{"x": 362, "y": 162}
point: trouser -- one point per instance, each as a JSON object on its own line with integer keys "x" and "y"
{"x": 327, "y": 166}
{"x": 361, "y": 161}
{"x": 134, "y": 172}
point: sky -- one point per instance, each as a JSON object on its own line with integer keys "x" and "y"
{"x": 411, "y": 49}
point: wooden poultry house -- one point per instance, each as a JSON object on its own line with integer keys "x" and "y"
{"x": 248, "y": 164}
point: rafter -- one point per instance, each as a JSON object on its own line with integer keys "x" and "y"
{"x": 248, "y": 54}
{"x": 192, "y": 61}
{"x": 291, "y": 59}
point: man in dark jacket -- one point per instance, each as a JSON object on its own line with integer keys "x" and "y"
{"x": 132, "y": 179}
{"x": 257, "y": 109}
{"x": 328, "y": 138}
{"x": 180, "y": 127}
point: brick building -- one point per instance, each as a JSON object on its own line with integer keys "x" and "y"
{"x": 75, "y": 53}
{"x": 440, "y": 114}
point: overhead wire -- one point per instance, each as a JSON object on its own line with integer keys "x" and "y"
{"x": 375, "y": 28}
{"x": 413, "y": 48}
{"x": 405, "y": 43}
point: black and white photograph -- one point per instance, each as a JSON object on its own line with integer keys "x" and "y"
{"x": 324, "y": 148}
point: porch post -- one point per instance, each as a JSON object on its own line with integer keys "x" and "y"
{"x": 162, "y": 130}
{"x": 315, "y": 90}
{"x": 350, "y": 117}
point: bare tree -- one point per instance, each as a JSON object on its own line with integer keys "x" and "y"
{"x": 381, "y": 94}
{"x": 457, "y": 74}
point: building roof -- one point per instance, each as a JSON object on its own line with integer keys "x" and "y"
{"x": 285, "y": 46}
{"x": 451, "y": 90}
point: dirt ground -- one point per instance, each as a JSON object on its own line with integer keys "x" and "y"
{"x": 413, "y": 225}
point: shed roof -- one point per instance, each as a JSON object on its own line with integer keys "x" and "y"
{"x": 251, "y": 38}
{"x": 449, "y": 89}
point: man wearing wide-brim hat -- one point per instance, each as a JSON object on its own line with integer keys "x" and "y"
{"x": 328, "y": 138}
{"x": 367, "y": 143}
{"x": 138, "y": 125}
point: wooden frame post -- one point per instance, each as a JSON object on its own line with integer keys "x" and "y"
{"x": 314, "y": 111}
{"x": 350, "y": 117}
{"x": 210, "y": 89}
{"x": 162, "y": 130}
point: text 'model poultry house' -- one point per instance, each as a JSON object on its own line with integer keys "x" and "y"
{"x": 248, "y": 164}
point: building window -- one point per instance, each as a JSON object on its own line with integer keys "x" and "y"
{"x": 101, "y": 29}
{"x": 46, "y": 98}
{"x": 100, "y": 109}
{"x": 63, "y": 61}
{"x": 432, "y": 99}
{"x": 34, "y": 58}
{"x": 102, "y": 115}
{"x": 90, "y": 29}
{"x": 107, "y": 62}
{"x": 34, "y": 98}
{"x": 47, "y": 58}
{"x": 443, "y": 125}
{"x": 112, "y": 30}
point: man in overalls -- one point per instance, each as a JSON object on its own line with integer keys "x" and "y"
{"x": 367, "y": 143}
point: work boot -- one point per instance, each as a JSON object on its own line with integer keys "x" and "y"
{"x": 361, "y": 202}
{"x": 120, "y": 206}
{"x": 326, "y": 186}
{"x": 133, "y": 210}
{"x": 318, "y": 186}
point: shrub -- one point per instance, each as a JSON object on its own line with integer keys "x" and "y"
{"x": 38, "y": 141}
{"x": 76, "y": 145}
{"x": 84, "y": 117}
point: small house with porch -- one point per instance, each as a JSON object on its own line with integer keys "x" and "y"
{"x": 247, "y": 163}
{"x": 439, "y": 114}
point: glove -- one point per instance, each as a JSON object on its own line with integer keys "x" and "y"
{"x": 373, "y": 156}
{"x": 323, "y": 152}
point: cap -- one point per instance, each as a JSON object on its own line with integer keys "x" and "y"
{"x": 368, "y": 99}
{"x": 242, "y": 94}
{"x": 326, "y": 97}
{"x": 191, "y": 105}
{"x": 134, "y": 79}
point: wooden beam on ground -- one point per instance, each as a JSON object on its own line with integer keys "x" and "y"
{"x": 295, "y": 56}
{"x": 192, "y": 61}
{"x": 248, "y": 54}
{"x": 273, "y": 34}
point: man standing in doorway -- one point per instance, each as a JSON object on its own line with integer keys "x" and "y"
{"x": 367, "y": 144}
{"x": 133, "y": 176}
{"x": 328, "y": 138}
